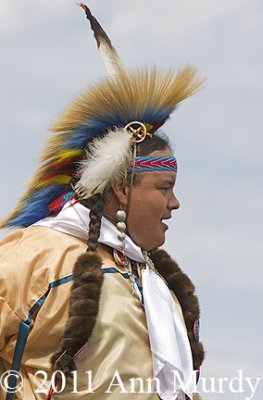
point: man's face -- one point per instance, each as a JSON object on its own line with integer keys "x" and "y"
{"x": 152, "y": 201}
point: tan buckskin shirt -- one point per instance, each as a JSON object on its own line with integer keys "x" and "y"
{"x": 117, "y": 362}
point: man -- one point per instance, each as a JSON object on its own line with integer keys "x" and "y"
{"x": 104, "y": 316}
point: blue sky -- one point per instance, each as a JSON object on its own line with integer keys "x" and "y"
{"x": 48, "y": 55}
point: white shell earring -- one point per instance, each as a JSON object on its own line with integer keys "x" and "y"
{"x": 121, "y": 217}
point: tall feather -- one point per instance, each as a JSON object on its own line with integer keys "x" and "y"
{"x": 109, "y": 54}
{"x": 107, "y": 161}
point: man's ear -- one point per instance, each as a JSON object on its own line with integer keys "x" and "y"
{"x": 121, "y": 192}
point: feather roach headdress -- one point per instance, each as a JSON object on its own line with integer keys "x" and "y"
{"x": 100, "y": 113}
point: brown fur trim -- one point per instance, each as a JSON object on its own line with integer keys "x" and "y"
{"x": 83, "y": 310}
{"x": 184, "y": 289}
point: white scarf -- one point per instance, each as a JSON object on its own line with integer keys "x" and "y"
{"x": 172, "y": 356}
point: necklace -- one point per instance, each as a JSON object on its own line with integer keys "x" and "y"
{"x": 132, "y": 269}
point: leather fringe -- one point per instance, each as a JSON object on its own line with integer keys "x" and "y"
{"x": 184, "y": 290}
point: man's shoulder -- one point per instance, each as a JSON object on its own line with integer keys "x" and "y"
{"x": 31, "y": 260}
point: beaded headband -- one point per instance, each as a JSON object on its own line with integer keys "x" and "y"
{"x": 154, "y": 163}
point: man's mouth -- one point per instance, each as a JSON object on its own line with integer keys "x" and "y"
{"x": 163, "y": 223}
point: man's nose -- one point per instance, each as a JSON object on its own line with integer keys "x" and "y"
{"x": 174, "y": 203}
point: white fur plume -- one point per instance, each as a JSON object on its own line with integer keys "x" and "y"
{"x": 108, "y": 159}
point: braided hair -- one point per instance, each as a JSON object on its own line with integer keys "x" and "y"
{"x": 85, "y": 294}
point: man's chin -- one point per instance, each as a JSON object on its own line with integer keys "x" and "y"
{"x": 158, "y": 243}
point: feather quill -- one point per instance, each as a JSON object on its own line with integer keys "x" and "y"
{"x": 108, "y": 159}
{"x": 109, "y": 54}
